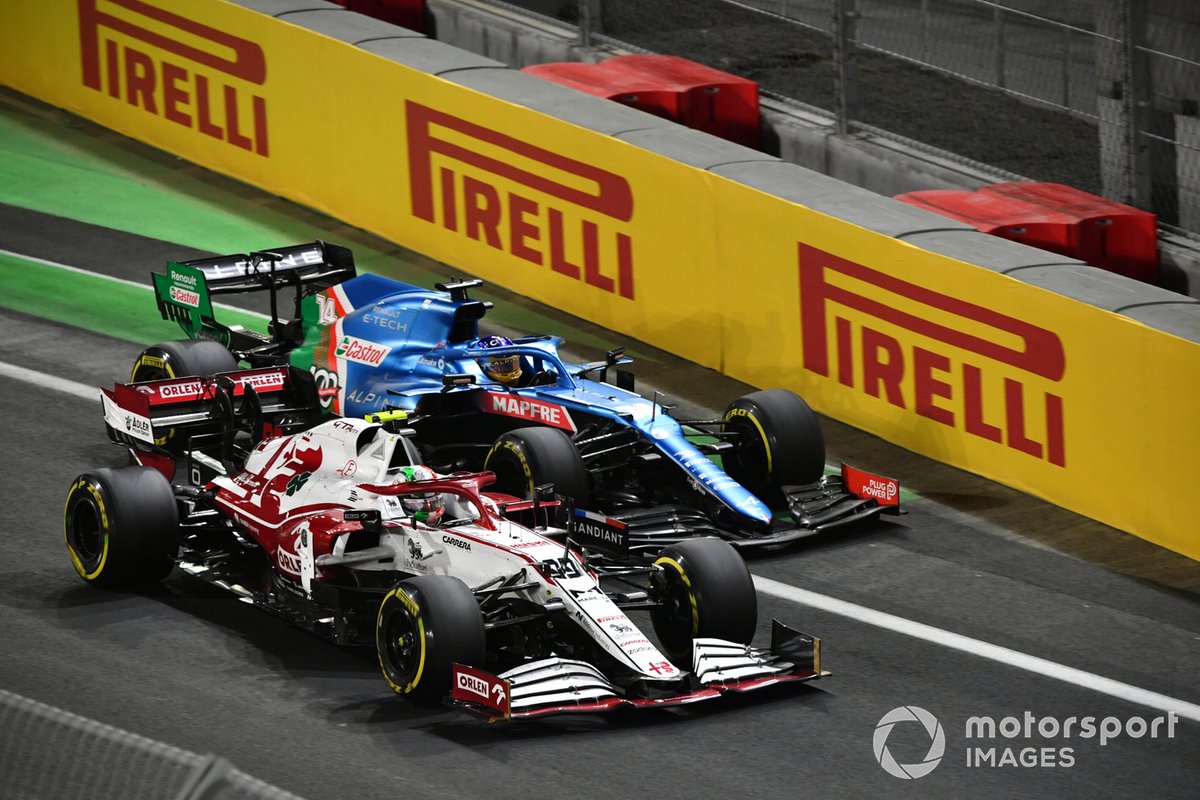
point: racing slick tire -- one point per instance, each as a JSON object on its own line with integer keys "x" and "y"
{"x": 426, "y": 624}
{"x": 705, "y": 590}
{"x": 183, "y": 358}
{"x": 526, "y": 457}
{"x": 122, "y": 527}
{"x": 778, "y": 443}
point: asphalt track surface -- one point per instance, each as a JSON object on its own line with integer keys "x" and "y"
{"x": 192, "y": 667}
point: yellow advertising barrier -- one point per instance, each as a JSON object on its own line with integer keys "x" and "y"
{"x": 973, "y": 368}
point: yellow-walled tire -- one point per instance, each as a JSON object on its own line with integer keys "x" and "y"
{"x": 121, "y": 527}
{"x": 528, "y": 457}
{"x": 426, "y": 624}
{"x": 704, "y": 589}
{"x": 184, "y": 358}
{"x": 777, "y": 442}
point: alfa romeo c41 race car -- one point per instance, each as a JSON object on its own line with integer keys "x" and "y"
{"x": 754, "y": 477}
{"x": 340, "y": 529}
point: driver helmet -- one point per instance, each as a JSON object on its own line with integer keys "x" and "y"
{"x": 502, "y": 369}
{"x": 426, "y": 508}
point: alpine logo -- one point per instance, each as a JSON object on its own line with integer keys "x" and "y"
{"x": 185, "y": 297}
{"x": 511, "y": 405}
{"x": 361, "y": 351}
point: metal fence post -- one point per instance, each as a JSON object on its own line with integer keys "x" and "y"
{"x": 590, "y": 16}
{"x": 998, "y": 53}
{"x": 845, "y": 63}
{"x": 1137, "y": 98}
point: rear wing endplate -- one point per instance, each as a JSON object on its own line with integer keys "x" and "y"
{"x": 184, "y": 292}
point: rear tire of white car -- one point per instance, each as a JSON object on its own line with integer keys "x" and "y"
{"x": 705, "y": 590}
{"x": 122, "y": 527}
{"x": 426, "y": 624}
{"x": 778, "y": 443}
{"x": 528, "y": 457}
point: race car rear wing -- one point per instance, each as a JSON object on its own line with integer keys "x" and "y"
{"x": 184, "y": 292}
{"x": 205, "y": 415}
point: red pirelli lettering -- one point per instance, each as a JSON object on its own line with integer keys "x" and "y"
{"x": 570, "y": 229}
{"x": 927, "y": 379}
{"x": 172, "y": 66}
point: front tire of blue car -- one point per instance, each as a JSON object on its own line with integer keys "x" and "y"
{"x": 424, "y": 626}
{"x": 703, "y": 589}
{"x": 777, "y": 442}
{"x": 121, "y": 527}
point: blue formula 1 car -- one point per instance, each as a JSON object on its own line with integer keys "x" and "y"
{"x": 639, "y": 478}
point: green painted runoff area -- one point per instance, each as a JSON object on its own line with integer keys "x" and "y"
{"x": 57, "y": 163}
{"x": 127, "y": 312}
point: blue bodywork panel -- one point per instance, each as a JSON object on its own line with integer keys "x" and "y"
{"x": 382, "y": 343}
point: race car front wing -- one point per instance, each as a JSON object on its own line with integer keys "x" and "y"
{"x": 566, "y": 686}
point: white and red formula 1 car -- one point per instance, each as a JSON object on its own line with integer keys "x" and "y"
{"x": 338, "y": 528}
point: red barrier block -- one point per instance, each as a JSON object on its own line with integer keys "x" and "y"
{"x": 1107, "y": 234}
{"x": 1000, "y": 216}
{"x": 1057, "y": 218}
{"x": 669, "y": 86}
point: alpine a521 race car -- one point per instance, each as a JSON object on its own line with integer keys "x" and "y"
{"x": 515, "y": 407}
{"x": 340, "y": 529}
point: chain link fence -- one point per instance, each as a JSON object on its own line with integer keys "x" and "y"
{"x": 1098, "y": 94}
{"x": 50, "y": 754}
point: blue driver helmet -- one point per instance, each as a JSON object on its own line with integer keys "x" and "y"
{"x": 502, "y": 369}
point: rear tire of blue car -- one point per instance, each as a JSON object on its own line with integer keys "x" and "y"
{"x": 122, "y": 527}
{"x": 425, "y": 624}
{"x": 777, "y": 441}
{"x": 704, "y": 589}
{"x": 525, "y": 458}
{"x": 200, "y": 358}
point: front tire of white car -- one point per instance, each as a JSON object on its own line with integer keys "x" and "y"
{"x": 704, "y": 590}
{"x": 426, "y": 624}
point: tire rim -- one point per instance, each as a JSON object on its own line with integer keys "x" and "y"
{"x": 142, "y": 372}
{"x": 87, "y": 535}
{"x": 510, "y": 478}
{"x": 673, "y": 619}
{"x": 401, "y": 645}
{"x": 749, "y": 455}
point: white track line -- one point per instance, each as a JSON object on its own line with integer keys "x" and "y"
{"x": 45, "y": 381}
{"x": 879, "y": 619}
{"x": 956, "y": 641}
